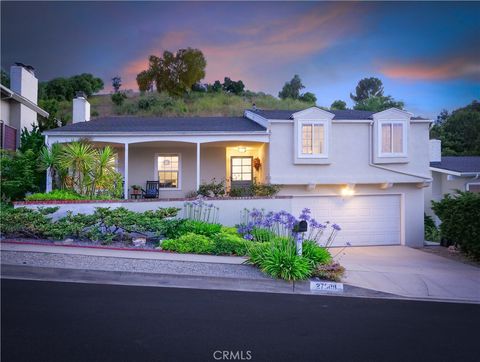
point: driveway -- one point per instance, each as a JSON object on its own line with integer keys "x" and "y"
{"x": 410, "y": 273}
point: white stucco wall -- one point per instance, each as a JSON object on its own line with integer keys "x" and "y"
{"x": 348, "y": 157}
{"x": 229, "y": 209}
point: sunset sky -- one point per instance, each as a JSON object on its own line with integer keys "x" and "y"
{"x": 427, "y": 54}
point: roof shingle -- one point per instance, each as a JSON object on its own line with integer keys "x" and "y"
{"x": 163, "y": 124}
{"x": 459, "y": 164}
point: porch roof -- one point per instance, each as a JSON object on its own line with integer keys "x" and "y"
{"x": 131, "y": 124}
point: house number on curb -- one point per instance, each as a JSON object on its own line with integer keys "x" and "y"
{"x": 326, "y": 287}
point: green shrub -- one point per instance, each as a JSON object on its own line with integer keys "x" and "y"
{"x": 430, "y": 229}
{"x": 118, "y": 98}
{"x": 280, "y": 260}
{"x": 55, "y": 195}
{"x": 265, "y": 189}
{"x": 262, "y": 235}
{"x": 71, "y": 226}
{"x": 25, "y": 222}
{"x": 229, "y": 244}
{"x": 229, "y": 230}
{"x": 212, "y": 188}
{"x": 199, "y": 227}
{"x": 330, "y": 271}
{"x": 189, "y": 243}
{"x": 315, "y": 254}
{"x": 459, "y": 216}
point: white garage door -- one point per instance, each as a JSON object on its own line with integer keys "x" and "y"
{"x": 365, "y": 220}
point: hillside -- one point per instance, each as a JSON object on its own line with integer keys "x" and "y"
{"x": 194, "y": 104}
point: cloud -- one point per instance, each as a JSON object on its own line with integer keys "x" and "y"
{"x": 252, "y": 51}
{"x": 462, "y": 67}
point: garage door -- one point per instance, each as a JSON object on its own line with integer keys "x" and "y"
{"x": 365, "y": 220}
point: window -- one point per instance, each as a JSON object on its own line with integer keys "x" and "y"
{"x": 313, "y": 139}
{"x": 168, "y": 168}
{"x": 392, "y": 139}
{"x": 241, "y": 168}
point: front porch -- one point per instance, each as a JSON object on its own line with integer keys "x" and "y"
{"x": 180, "y": 166}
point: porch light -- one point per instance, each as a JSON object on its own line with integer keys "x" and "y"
{"x": 348, "y": 190}
{"x": 242, "y": 149}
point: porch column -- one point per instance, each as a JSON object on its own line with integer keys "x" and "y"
{"x": 125, "y": 176}
{"x": 198, "y": 166}
{"x": 48, "y": 184}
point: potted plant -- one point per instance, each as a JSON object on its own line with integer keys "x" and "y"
{"x": 136, "y": 189}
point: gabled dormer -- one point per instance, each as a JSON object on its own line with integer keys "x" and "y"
{"x": 391, "y": 133}
{"x": 312, "y": 136}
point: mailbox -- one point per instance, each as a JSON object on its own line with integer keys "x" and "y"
{"x": 301, "y": 227}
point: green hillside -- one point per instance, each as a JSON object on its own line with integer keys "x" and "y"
{"x": 193, "y": 104}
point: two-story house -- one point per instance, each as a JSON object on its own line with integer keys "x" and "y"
{"x": 18, "y": 105}
{"x": 365, "y": 171}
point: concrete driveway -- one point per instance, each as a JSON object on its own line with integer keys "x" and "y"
{"x": 410, "y": 273}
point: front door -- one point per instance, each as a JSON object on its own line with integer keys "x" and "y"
{"x": 241, "y": 171}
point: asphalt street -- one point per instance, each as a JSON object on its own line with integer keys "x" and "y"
{"x": 52, "y": 321}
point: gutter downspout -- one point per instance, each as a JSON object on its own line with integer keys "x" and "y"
{"x": 370, "y": 161}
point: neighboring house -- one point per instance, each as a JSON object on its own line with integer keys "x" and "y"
{"x": 365, "y": 171}
{"x": 19, "y": 108}
{"x": 449, "y": 174}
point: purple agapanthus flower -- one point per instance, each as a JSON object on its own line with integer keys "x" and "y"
{"x": 336, "y": 227}
{"x": 248, "y": 237}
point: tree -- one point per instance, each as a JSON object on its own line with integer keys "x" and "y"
{"x": 366, "y": 88}
{"x": 292, "y": 89}
{"x": 378, "y": 104}
{"x": 118, "y": 98}
{"x": 338, "y": 105}
{"x": 215, "y": 87}
{"x": 116, "y": 83}
{"x": 174, "y": 73}
{"x": 459, "y": 131}
{"x": 64, "y": 89}
{"x": 308, "y": 97}
{"x": 145, "y": 81}
{"x": 234, "y": 87}
{"x": 31, "y": 140}
{"x": 52, "y": 107}
{"x": 5, "y": 79}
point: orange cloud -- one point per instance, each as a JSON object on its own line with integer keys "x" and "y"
{"x": 461, "y": 67}
{"x": 268, "y": 45}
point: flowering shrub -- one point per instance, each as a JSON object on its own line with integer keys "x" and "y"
{"x": 260, "y": 226}
{"x": 199, "y": 210}
{"x": 330, "y": 271}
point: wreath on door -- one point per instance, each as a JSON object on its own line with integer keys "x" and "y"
{"x": 257, "y": 163}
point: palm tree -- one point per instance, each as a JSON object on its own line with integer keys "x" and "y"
{"x": 50, "y": 160}
{"x": 103, "y": 168}
{"x": 78, "y": 158}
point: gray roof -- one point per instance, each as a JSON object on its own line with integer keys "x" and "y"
{"x": 462, "y": 164}
{"x": 348, "y": 114}
{"x": 163, "y": 124}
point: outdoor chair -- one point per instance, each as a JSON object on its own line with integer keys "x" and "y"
{"x": 151, "y": 190}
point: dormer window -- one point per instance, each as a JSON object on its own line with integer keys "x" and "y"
{"x": 392, "y": 139}
{"x": 313, "y": 139}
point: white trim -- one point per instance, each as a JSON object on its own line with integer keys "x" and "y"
{"x": 326, "y": 131}
{"x": 179, "y": 186}
{"x": 26, "y": 102}
{"x": 197, "y": 181}
{"x": 255, "y": 117}
{"x": 454, "y": 173}
{"x": 314, "y": 111}
{"x": 404, "y": 139}
{"x": 393, "y": 110}
{"x": 126, "y": 187}
{"x": 467, "y": 186}
{"x": 155, "y": 133}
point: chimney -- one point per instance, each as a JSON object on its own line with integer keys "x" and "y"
{"x": 81, "y": 108}
{"x": 24, "y": 82}
{"x": 435, "y": 151}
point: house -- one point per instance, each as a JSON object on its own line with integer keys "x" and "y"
{"x": 449, "y": 174}
{"x": 19, "y": 107}
{"x": 365, "y": 171}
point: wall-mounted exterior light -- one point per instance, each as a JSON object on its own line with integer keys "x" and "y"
{"x": 348, "y": 190}
{"x": 242, "y": 149}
